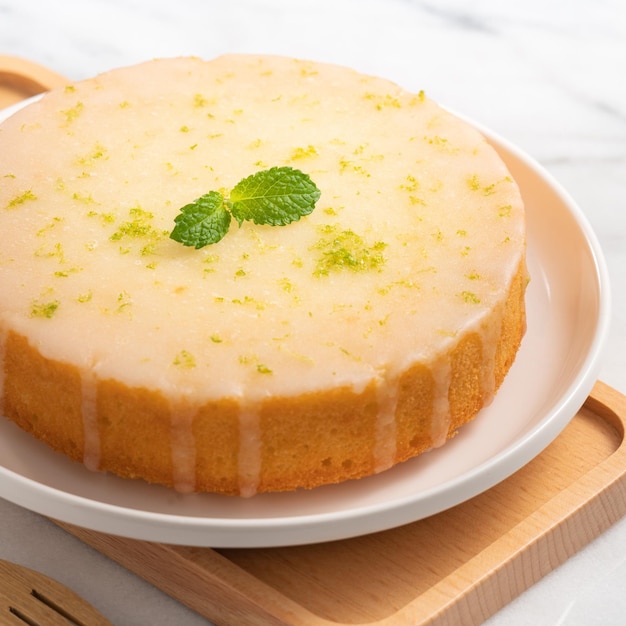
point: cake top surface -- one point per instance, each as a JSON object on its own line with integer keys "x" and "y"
{"x": 416, "y": 235}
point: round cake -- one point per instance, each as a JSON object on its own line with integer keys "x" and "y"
{"x": 281, "y": 356}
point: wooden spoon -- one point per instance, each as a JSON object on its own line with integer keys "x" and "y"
{"x": 28, "y": 597}
{"x": 20, "y": 79}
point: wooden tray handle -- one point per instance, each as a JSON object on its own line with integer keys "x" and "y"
{"x": 20, "y": 78}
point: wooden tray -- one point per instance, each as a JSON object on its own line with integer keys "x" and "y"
{"x": 457, "y": 567}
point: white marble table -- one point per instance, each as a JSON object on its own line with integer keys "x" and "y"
{"x": 546, "y": 74}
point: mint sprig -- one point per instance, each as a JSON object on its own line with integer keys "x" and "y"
{"x": 277, "y": 196}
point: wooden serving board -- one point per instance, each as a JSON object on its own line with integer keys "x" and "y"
{"x": 457, "y": 567}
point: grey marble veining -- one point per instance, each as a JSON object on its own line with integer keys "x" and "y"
{"x": 546, "y": 74}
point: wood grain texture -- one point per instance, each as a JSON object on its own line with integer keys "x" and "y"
{"x": 29, "y": 597}
{"x": 459, "y": 566}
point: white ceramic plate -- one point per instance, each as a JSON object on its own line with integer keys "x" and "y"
{"x": 568, "y": 315}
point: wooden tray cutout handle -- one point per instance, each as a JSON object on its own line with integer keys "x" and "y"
{"x": 20, "y": 79}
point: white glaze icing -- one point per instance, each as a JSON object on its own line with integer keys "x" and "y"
{"x": 253, "y": 299}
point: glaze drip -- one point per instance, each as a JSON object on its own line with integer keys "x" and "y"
{"x": 182, "y": 415}
{"x": 386, "y": 444}
{"x": 491, "y": 332}
{"x": 440, "y": 421}
{"x": 3, "y": 348}
{"x": 249, "y": 451}
{"x": 89, "y": 411}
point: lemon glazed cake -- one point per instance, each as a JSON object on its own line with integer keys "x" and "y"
{"x": 159, "y": 319}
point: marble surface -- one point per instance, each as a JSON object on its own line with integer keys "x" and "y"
{"x": 546, "y": 74}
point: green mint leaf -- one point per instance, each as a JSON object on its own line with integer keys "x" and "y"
{"x": 206, "y": 220}
{"x": 277, "y": 196}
